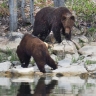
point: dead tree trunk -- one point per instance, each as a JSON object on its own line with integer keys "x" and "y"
{"x": 13, "y": 15}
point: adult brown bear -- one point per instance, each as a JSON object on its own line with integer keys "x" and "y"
{"x": 33, "y": 46}
{"x": 53, "y": 19}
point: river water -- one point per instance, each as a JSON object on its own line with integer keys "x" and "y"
{"x": 47, "y": 86}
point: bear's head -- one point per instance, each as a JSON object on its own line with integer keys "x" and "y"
{"x": 67, "y": 22}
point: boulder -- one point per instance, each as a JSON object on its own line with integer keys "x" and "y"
{"x": 70, "y": 70}
{"x": 64, "y": 47}
{"x": 4, "y": 66}
{"x": 88, "y": 50}
{"x": 83, "y": 39}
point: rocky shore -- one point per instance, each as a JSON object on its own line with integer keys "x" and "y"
{"x": 74, "y": 57}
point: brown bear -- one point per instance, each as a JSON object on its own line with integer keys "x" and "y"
{"x": 32, "y": 46}
{"x": 51, "y": 19}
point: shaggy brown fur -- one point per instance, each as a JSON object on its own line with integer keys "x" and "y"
{"x": 33, "y": 46}
{"x": 53, "y": 19}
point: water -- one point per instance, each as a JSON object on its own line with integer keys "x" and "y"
{"x": 47, "y": 86}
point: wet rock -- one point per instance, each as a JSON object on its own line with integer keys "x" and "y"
{"x": 59, "y": 74}
{"x": 22, "y": 71}
{"x": 84, "y": 76}
{"x": 71, "y": 70}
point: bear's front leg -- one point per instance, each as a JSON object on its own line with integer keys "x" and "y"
{"x": 56, "y": 32}
{"x": 26, "y": 61}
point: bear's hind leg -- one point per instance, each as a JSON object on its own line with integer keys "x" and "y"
{"x": 51, "y": 62}
{"x": 40, "y": 65}
{"x": 41, "y": 68}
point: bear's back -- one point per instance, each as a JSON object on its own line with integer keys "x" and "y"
{"x": 31, "y": 43}
{"x": 44, "y": 13}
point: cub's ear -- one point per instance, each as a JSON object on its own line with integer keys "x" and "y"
{"x": 63, "y": 18}
{"x": 72, "y": 18}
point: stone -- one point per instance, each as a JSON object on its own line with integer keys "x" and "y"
{"x": 9, "y": 45}
{"x": 54, "y": 57}
{"x": 64, "y": 63}
{"x": 71, "y": 70}
{"x": 15, "y": 34}
{"x": 91, "y": 58}
{"x": 78, "y": 46}
{"x": 75, "y": 56}
{"x": 5, "y": 66}
{"x": 88, "y": 50}
{"x": 83, "y": 39}
{"x": 64, "y": 47}
{"x": 92, "y": 43}
{"x": 17, "y": 39}
{"x": 75, "y": 31}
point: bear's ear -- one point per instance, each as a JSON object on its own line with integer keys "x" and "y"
{"x": 72, "y": 18}
{"x": 63, "y": 18}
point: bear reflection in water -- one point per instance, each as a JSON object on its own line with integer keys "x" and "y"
{"x": 41, "y": 88}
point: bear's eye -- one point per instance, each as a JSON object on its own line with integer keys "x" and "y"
{"x": 72, "y": 18}
{"x": 63, "y": 18}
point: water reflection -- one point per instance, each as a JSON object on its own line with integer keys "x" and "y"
{"x": 47, "y": 86}
{"x": 24, "y": 90}
{"x": 41, "y": 88}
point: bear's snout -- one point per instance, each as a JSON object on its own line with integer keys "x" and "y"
{"x": 67, "y": 30}
{"x": 68, "y": 33}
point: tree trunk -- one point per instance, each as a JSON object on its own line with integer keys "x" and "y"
{"x": 22, "y": 10}
{"x": 32, "y": 12}
{"x": 59, "y": 3}
{"x": 13, "y": 15}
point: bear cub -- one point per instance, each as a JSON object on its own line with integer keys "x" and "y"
{"x": 32, "y": 46}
